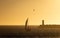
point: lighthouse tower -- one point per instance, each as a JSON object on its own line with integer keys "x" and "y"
{"x": 42, "y": 22}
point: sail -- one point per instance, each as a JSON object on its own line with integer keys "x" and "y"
{"x": 26, "y": 23}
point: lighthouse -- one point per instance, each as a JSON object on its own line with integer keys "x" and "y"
{"x": 42, "y": 22}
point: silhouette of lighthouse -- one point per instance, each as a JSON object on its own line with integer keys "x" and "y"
{"x": 42, "y": 22}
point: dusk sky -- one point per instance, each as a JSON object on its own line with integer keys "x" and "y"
{"x": 15, "y": 12}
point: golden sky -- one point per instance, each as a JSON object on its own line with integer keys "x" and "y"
{"x": 15, "y": 12}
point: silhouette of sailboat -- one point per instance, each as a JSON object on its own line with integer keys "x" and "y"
{"x": 27, "y": 28}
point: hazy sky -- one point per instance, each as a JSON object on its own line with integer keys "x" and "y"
{"x": 16, "y": 12}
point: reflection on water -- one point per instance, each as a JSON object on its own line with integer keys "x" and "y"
{"x": 29, "y": 37}
{"x": 36, "y": 32}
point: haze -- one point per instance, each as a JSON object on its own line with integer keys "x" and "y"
{"x": 15, "y": 12}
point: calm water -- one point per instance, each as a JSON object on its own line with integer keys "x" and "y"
{"x": 29, "y": 37}
{"x": 44, "y": 31}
